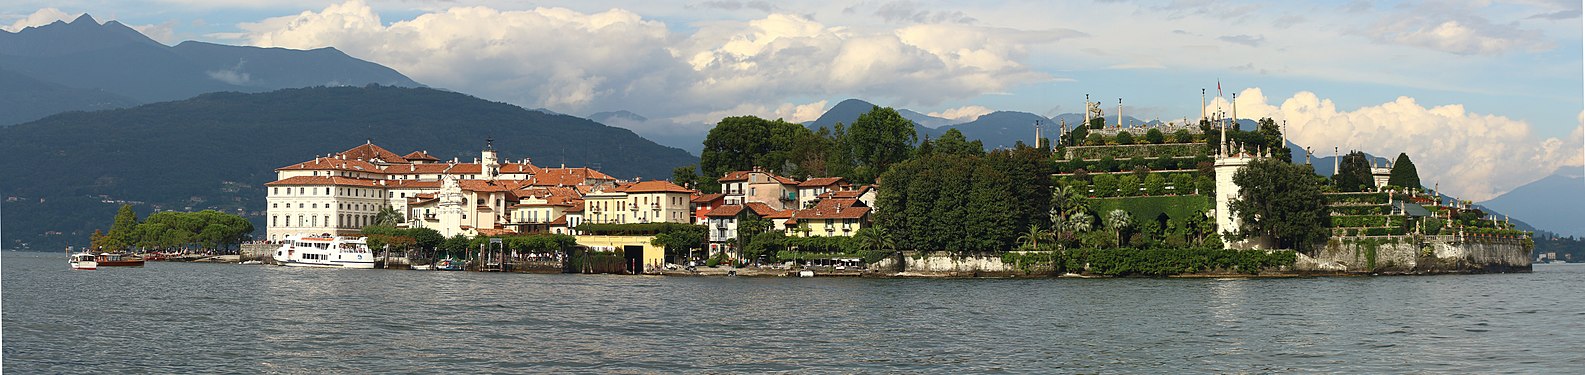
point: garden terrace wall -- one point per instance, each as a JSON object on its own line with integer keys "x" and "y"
{"x": 1419, "y": 255}
{"x": 1123, "y": 152}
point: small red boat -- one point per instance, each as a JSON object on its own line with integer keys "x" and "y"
{"x": 119, "y": 260}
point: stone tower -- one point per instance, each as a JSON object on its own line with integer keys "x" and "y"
{"x": 450, "y": 207}
{"x": 489, "y": 162}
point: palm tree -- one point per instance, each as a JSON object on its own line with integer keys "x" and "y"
{"x": 1117, "y": 221}
{"x": 1032, "y": 238}
{"x": 1067, "y": 201}
{"x": 388, "y": 217}
{"x": 1081, "y": 222}
{"x": 875, "y": 239}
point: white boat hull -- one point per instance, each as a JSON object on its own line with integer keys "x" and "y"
{"x": 324, "y": 252}
{"x": 85, "y": 265}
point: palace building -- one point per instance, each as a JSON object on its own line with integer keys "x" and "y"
{"x": 340, "y": 193}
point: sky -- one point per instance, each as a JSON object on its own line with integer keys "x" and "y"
{"x": 1484, "y": 96}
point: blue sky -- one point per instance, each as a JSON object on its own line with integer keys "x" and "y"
{"x": 1488, "y": 93}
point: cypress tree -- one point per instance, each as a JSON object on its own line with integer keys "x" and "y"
{"x": 1403, "y": 173}
{"x": 1353, "y": 174}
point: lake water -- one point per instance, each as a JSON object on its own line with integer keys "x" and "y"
{"x": 185, "y": 317}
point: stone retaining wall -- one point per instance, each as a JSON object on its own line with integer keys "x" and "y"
{"x": 1419, "y": 255}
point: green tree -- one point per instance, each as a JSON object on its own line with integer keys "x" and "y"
{"x": 455, "y": 245}
{"x": 1155, "y": 184}
{"x": 743, "y": 142}
{"x": 1270, "y": 136}
{"x": 1182, "y": 184}
{"x": 954, "y": 143}
{"x": 1076, "y": 136}
{"x": 1106, "y": 185}
{"x": 1404, "y": 174}
{"x": 1128, "y": 185}
{"x": 1031, "y": 238}
{"x": 425, "y": 238}
{"x": 688, "y": 176}
{"x": 875, "y": 242}
{"x": 1124, "y": 138}
{"x": 879, "y": 139}
{"x": 122, "y": 231}
{"x": 1155, "y": 136}
{"x": 388, "y": 216}
{"x": 1118, "y": 221}
{"x": 1098, "y": 123}
{"x": 1280, "y": 201}
{"x": 679, "y": 240}
{"x": 1182, "y": 136}
{"x": 1095, "y": 139}
{"x": 1353, "y": 173}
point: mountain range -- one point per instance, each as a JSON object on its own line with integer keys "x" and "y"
{"x": 67, "y": 173}
{"x": 83, "y": 65}
{"x": 1553, "y": 203}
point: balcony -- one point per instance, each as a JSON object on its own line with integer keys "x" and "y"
{"x": 654, "y": 206}
{"x": 790, "y": 197}
{"x": 632, "y": 207}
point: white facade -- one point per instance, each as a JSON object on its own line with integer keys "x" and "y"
{"x": 342, "y": 193}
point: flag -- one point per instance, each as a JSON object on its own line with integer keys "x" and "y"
{"x": 1218, "y": 87}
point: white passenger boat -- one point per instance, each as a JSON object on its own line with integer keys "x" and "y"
{"x": 303, "y": 251}
{"x": 84, "y": 261}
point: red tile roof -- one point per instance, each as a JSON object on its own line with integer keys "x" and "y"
{"x": 765, "y": 211}
{"x": 834, "y": 209}
{"x": 370, "y": 152}
{"x": 560, "y": 220}
{"x": 519, "y": 168}
{"x": 655, "y": 186}
{"x": 324, "y": 163}
{"x": 706, "y": 198}
{"x": 419, "y": 156}
{"x": 734, "y": 176}
{"x": 725, "y": 211}
{"x": 325, "y": 181}
{"x": 823, "y": 181}
{"x": 489, "y": 185}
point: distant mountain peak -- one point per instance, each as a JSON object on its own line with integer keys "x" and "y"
{"x": 618, "y": 114}
{"x": 85, "y": 19}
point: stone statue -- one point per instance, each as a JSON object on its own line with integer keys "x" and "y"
{"x": 1095, "y": 110}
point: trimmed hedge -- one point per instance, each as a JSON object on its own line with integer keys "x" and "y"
{"x": 1368, "y": 221}
{"x": 1149, "y": 207}
{"x": 1355, "y": 198}
{"x": 1362, "y": 210}
{"x": 1131, "y": 151}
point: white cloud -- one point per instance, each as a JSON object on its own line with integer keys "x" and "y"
{"x": 40, "y": 18}
{"x": 234, "y": 76}
{"x": 163, "y": 32}
{"x": 616, "y": 59}
{"x": 962, "y": 114}
{"x": 795, "y": 113}
{"x": 1474, "y": 156}
{"x": 1456, "y": 31}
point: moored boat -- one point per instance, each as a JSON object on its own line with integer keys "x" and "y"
{"x": 83, "y": 261}
{"x": 324, "y": 251}
{"x": 448, "y": 264}
{"x": 119, "y": 260}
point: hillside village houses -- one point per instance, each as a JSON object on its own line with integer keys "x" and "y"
{"x": 339, "y": 194}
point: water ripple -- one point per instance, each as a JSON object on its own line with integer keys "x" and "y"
{"x": 180, "y": 318}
